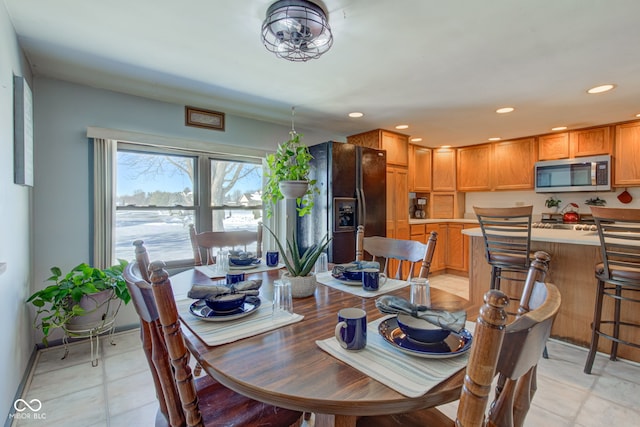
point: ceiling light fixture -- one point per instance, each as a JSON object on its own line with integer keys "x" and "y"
{"x": 601, "y": 89}
{"x": 638, "y": 115}
{"x": 504, "y": 110}
{"x": 495, "y": 138}
{"x": 559, "y": 128}
{"x": 356, "y": 114}
{"x": 399, "y": 127}
{"x": 296, "y": 30}
{"x": 416, "y": 139}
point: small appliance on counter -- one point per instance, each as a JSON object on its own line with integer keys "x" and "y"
{"x": 419, "y": 211}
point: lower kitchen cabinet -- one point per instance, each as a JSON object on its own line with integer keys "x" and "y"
{"x": 438, "y": 261}
{"x": 452, "y": 247}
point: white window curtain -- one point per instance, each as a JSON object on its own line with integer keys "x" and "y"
{"x": 104, "y": 207}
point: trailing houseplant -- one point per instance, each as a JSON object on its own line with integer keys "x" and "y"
{"x": 299, "y": 265}
{"x": 290, "y": 162}
{"x": 552, "y": 202}
{"x": 62, "y": 302}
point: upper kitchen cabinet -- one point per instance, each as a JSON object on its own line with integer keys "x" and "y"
{"x": 513, "y": 163}
{"x": 419, "y": 168}
{"x": 590, "y": 142}
{"x": 444, "y": 170}
{"x": 474, "y": 168}
{"x": 627, "y": 155}
{"x": 554, "y": 146}
{"x": 396, "y": 144}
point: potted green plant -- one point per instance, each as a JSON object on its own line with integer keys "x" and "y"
{"x": 289, "y": 169}
{"x": 299, "y": 266}
{"x": 553, "y": 202}
{"x": 80, "y": 300}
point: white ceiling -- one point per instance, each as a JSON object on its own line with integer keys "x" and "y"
{"x": 441, "y": 66}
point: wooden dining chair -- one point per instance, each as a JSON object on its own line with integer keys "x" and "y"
{"x": 403, "y": 253}
{"x": 206, "y": 243}
{"x": 511, "y": 351}
{"x": 183, "y": 400}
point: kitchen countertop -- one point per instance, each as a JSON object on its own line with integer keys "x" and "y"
{"x": 439, "y": 220}
{"x": 589, "y": 238}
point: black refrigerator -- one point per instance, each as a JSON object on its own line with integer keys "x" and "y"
{"x": 353, "y": 191}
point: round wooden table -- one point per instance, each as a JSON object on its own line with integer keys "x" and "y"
{"x": 286, "y": 368}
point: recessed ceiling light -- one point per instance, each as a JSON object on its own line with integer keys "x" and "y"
{"x": 356, "y": 114}
{"x": 402, "y": 127}
{"x": 416, "y": 139}
{"x": 602, "y": 88}
{"x": 559, "y": 128}
{"x": 638, "y": 115}
{"x": 504, "y": 110}
{"x": 495, "y": 138}
{"x": 445, "y": 146}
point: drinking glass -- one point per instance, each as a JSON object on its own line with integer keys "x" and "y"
{"x": 420, "y": 291}
{"x": 322, "y": 264}
{"x": 222, "y": 260}
{"x": 282, "y": 300}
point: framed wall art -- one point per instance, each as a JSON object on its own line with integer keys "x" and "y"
{"x": 22, "y": 132}
{"x": 207, "y": 119}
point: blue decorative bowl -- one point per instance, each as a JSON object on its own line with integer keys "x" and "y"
{"x": 421, "y": 330}
{"x": 241, "y": 260}
{"x": 352, "y": 274}
{"x": 228, "y": 302}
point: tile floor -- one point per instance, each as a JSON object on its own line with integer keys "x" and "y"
{"x": 119, "y": 391}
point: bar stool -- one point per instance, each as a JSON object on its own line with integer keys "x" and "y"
{"x": 618, "y": 277}
{"x": 507, "y": 240}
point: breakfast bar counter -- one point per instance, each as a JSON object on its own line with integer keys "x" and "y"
{"x": 574, "y": 255}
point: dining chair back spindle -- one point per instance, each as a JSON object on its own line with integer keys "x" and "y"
{"x": 405, "y": 253}
{"x": 183, "y": 400}
{"x": 511, "y": 351}
{"x": 206, "y": 243}
{"x": 618, "y": 278}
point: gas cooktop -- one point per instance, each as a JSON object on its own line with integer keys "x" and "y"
{"x": 560, "y": 226}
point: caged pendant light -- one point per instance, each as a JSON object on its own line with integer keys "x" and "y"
{"x": 296, "y": 30}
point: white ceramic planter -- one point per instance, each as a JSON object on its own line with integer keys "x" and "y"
{"x": 293, "y": 189}
{"x": 301, "y": 286}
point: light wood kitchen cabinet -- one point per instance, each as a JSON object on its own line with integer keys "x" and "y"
{"x": 627, "y": 155}
{"x": 454, "y": 257}
{"x": 590, "y": 142}
{"x": 554, "y": 146}
{"x": 438, "y": 261}
{"x": 419, "y": 168}
{"x": 397, "y": 203}
{"x": 446, "y": 205}
{"x": 396, "y": 144}
{"x": 513, "y": 163}
{"x": 474, "y": 168}
{"x": 443, "y": 170}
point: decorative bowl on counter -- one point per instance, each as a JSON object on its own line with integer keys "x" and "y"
{"x": 421, "y": 330}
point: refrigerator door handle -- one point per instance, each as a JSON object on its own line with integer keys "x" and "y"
{"x": 362, "y": 207}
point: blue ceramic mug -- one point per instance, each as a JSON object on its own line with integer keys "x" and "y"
{"x": 234, "y": 278}
{"x": 273, "y": 257}
{"x": 351, "y": 330}
{"x": 372, "y": 279}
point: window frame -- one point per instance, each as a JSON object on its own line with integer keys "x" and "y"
{"x": 202, "y": 207}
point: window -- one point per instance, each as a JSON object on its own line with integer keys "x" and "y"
{"x": 159, "y": 193}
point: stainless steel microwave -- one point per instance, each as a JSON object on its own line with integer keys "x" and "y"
{"x": 579, "y": 174}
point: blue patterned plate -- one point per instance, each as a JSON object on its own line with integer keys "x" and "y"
{"x": 200, "y": 310}
{"x": 454, "y": 345}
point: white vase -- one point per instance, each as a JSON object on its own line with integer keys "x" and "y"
{"x": 293, "y": 189}
{"x": 301, "y": 286}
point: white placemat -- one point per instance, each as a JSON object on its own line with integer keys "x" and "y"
{"x": 211, "y": 272}
{"x": 390, "y": 285}
{"x": 217, "y": 333}
{"x": 409, "y": 375}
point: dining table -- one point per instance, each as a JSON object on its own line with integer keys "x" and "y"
{"x": 285, "y": 367}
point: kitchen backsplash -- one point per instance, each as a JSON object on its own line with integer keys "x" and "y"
{"x": 522, "y": 198}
